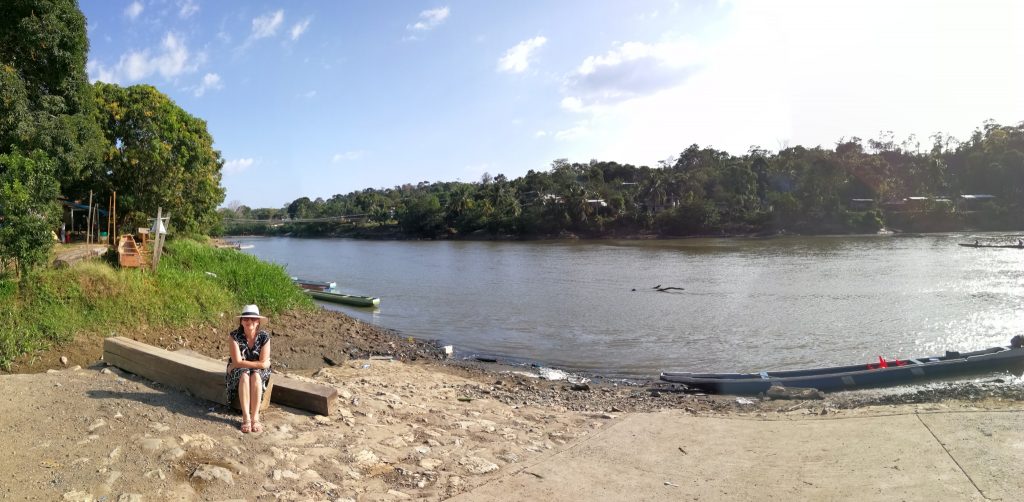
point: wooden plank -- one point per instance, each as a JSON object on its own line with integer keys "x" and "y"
{"x": 291, "y": 392}
{"x": 204, "y": 379}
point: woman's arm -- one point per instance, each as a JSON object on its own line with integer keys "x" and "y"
{"x": 264, "y": 361}
{"x": 236, "y": 354}
{"x": 237, "y": 361}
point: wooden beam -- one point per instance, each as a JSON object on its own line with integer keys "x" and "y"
{"x": 204, "y": 376}
{"x": 290, "y": 392}
{"x": 204, "y": 379}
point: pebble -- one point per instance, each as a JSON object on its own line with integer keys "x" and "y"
{"x": 508, "y": 457}
{"x": 395, "y": 442}
{"x": 431, "y": 463}
{"x": 77, "y": 496}
{"x": 96, "y": 425}
{"x": 365, "y": 459}
{"x": 282, "y": 474}
{"x": 201, "y": 441}
{"x": 151, "y": 445}
{"x": 207, "y": 472}
{"x": 477, "y": 465}
{"x": 172, "y": 454}
{"x": 64, "y": 361}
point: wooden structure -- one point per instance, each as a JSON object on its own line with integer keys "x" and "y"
{"x": 72, "y": 254}
{"x": 143, "y": 236}
{"x": 128, "y": 254}
{"x": 203, "y": 376}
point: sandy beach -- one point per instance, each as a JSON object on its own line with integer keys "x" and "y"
{"x": 411, "y": 426}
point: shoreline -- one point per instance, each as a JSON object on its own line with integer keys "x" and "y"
{"x": 408, "y": 425}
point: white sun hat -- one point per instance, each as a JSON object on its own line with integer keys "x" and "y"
{"x": 251, "y": 311}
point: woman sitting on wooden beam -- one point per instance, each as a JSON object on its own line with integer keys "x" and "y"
{"x": 248, "y": 371}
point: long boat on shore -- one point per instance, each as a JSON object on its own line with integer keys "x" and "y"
{"x": 353, "y": 300}
{"x": 881, "y": 374}
{"x": 1004, "y": 246}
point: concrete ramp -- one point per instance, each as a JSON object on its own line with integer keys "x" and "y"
{"x": 673, "y": 456}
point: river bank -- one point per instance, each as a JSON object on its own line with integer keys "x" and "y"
{"x": 409, "y": 423}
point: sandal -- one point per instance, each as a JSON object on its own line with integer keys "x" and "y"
{"x": 246, "y": 427}
{"x": 257, "y": 426}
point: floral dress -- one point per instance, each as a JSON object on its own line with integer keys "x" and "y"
{"x": 248, "y": 354}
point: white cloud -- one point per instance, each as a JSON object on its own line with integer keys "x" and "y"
{"x": 210, "y": 81}
{"x": 188, "y": 7}
{"x": 573, "y": 104}
{"x": 350, "y": 155}
{"x": 299, "y": 28}
{"x": 576, "y": 132}
{"x": 133, "y": 10}
{"x": 517, "y": 59}
{"x": 267, "y": 24}
{"x": 633, "y": 69}
{"x": 173, "y": 59}
{"x": 430, "y": 19}
{"x": 540, "y": 134}
{"x": 234, "y": 166}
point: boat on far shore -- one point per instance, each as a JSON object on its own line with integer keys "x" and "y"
{"x": 980, "y": 245}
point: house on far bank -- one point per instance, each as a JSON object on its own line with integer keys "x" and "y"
{"x": 861, "y": 204}
{"x": 974, "y": 202}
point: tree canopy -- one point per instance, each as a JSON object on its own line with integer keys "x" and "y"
{"x": 702, "y": 191}
{"x": 157, "y": 155}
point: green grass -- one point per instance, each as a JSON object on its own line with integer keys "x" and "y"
{"x": 195, "y": 283}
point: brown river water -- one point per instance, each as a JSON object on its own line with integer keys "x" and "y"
{"x": 746, "y": 304}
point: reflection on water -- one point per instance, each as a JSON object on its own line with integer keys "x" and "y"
{"x": 747, "y": 304}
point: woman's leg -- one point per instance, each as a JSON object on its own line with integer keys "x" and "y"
{"x": 256, "y": 399}
{"x": 243, "y": 399}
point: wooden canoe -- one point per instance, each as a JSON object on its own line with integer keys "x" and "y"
{"x": 128, "y": 254}
{"x": 898, "y": 372}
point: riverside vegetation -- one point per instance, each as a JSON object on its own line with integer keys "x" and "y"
{"x": 702, "y": 191}
{"x": 194, "y": 284}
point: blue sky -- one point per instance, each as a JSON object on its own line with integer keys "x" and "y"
{"x": 316, "y": 98}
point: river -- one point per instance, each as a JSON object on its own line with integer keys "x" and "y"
{"x": 747, "y": 304}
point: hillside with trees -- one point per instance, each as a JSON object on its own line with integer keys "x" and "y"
{"x": 856, "y": 187}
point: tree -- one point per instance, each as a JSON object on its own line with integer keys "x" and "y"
{"x": 45, "y": 99}
{"x": 422, "y": 216}
{"x": 157, "y": 155}
{"x": 28, "y": 209}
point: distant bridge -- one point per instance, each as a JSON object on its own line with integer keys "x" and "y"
{"x": 348, "y": 218}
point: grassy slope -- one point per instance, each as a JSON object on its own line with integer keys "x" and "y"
{"x": 195, "y": 283}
